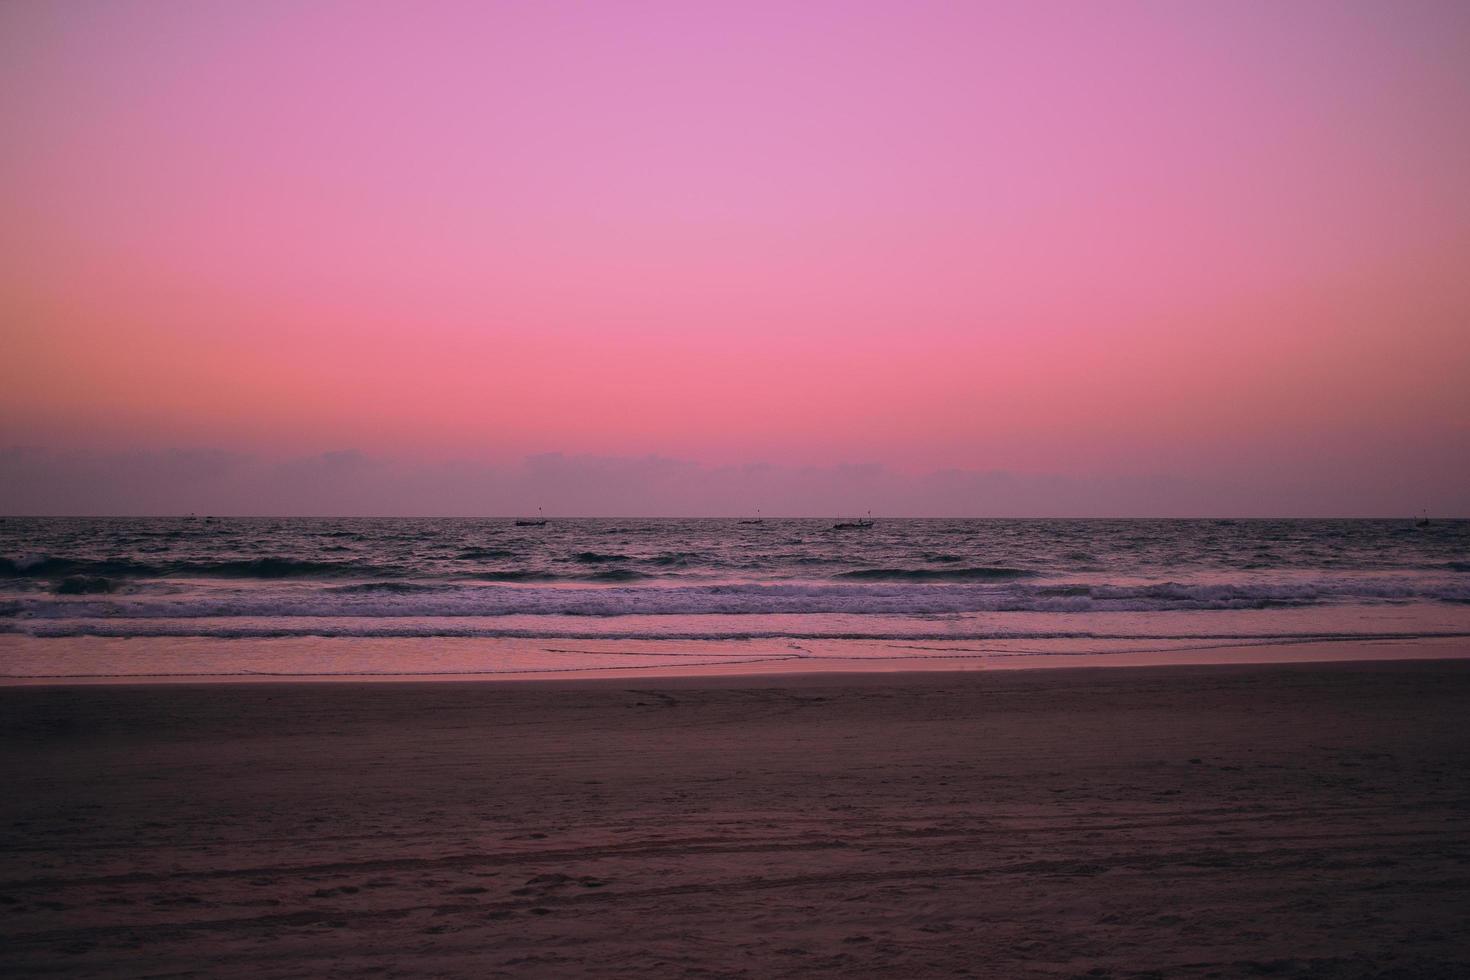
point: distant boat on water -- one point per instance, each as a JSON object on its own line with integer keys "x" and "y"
{"x": 754, "y": 520}
{"x": 856, "y": 525}
{"x": 540, "y": 520}
{"x": 1423, "y": 520}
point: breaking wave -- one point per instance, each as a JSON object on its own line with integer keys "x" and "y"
{"x": 406, "y": 599}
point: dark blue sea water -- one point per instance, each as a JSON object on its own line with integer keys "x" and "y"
{"x": 403, "y": 596}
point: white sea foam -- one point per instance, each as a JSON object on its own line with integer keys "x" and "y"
{"x": 480, "y": 628}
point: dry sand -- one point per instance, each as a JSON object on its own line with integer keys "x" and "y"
{"x": 1290, "y": 820}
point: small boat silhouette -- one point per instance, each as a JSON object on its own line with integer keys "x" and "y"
{"x": 858, "y": 524}
{"x": 539, "y": 522}
{"x": 754, "y": 520}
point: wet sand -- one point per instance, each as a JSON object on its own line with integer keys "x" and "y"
{"x": 1290, "y": 820}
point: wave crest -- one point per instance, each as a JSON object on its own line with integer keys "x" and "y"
{"x": 972, "y": 574}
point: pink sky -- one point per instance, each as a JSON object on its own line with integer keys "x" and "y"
{"x": 1220, "y": 243}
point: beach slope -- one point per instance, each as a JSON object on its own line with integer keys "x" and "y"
{"x": 1287, "y": 820}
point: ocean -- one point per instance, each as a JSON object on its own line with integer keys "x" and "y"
{"x": 181, "y": 598}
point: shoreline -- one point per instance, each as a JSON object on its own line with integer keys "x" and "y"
{"x": 735, "y": 681}
{"x": 1307, "y": 651}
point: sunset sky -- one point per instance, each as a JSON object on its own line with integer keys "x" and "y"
{"x": 1175, "y": 258}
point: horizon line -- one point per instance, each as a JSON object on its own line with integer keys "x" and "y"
{"x": 711, "y": 517}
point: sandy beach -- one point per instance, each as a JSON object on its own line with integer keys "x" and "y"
{"x": 1215, "y": 821}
